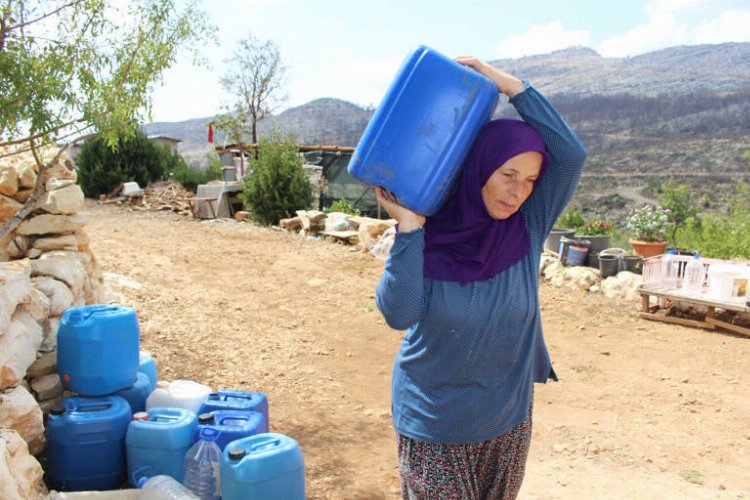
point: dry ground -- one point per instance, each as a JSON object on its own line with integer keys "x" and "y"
{"x": 642, "y": 409}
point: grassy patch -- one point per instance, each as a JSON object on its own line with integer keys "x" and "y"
{"x": 691, "y": 476}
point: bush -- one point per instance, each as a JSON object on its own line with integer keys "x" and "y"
{"x": 135, "y": 159}
{"x": 191, "y": 178}
{"x": 570, "y": 220}
{"x": 343, "y": 206}
{"x": 276, "y": 185}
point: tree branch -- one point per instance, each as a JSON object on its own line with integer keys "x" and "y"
{"x": 44, "y": 16}
{"x": 39, "y": 135}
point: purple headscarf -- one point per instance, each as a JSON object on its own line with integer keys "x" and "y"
{"x": 462, "y": 242}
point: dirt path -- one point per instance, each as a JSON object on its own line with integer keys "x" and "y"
{"x": 642, "y": 410}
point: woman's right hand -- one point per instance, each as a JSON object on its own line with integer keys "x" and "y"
{"x": 408, "y": 220}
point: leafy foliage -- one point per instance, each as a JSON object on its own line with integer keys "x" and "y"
{"x": 596, "y": 227}
{"x": 276, "y": 185}
{"x": 649, "y": 223}
{"x": 679, "y": 200}
{"x": 343, "y": 206}
{"x": 137, "y": 159}
{"x": 570, "y": 219}
{"x": 66, "y": 65}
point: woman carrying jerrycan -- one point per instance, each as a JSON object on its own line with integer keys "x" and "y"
{"x": 464, "y": 283}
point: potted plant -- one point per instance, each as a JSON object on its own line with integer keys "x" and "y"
{"x": 598, "y": 232}
{"x": 648, "y": 226}
{"x": 564, "y": 227}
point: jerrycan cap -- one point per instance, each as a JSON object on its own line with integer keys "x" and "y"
{"x": 141, "y": 415}
{"x": 236, "y": 453}
{"x": 206, "y": 418}
{"x": 57, "y": 410}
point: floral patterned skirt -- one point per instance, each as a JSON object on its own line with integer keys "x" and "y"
{"x": 488, "y": 470}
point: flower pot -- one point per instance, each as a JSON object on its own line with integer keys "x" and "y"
{"x": 633, "y": 263}
{"x": 609, "y": 265}
{"x": 648, "y": 248}
{"x": 553, "y": 239}
{"x": 597, "y": 242}
{"x": 573, "y": 252}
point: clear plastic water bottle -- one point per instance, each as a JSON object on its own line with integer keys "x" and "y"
{"x": 202, "y": 463}
{"x": 670, "y": 270}
{"x": 163, "y": 487}
{"x": 695, "y": 275}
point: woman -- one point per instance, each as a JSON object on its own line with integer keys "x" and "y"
{"x": 464, "y": 283}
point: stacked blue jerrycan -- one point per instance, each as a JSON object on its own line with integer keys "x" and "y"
{"x": 423, "y": 129}
{"x": 231, "y": 399}
{"x": 231, "y": 425}
{"x": 147, "y": 366}
{"x": 266, "y": 465}
{"x": 97, "y": 349}
{"x": 157, "y": 441}
{"x": 136, "y": 394}
{"x": 87, "y": 443}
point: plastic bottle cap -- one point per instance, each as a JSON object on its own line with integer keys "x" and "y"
{"x": 57, "y": 410}
{"x": 236, "y": 453}
{"x": 162, "y": 384}
{"x": 205, "y": 418}
{"x": 141, "y": 415}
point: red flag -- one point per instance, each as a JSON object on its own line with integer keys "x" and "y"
{"x": 210, "y": 132}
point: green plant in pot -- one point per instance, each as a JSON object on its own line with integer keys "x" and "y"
{"x": 648, "y": 226}
{"x": 565, "y": 226}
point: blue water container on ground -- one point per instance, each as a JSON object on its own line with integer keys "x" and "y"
{"x": 231, "y": 399}
{"x": 97, "y": 349}
{"x": 147, "y": 366}
{"x": 87, "y": 443}
{"x": 159, "y": 443}
{"x": 423, "y": 129}
{"x": 266, "y": 465}
{"x": 136, "y": 394}
{"x": 231, "y": 425}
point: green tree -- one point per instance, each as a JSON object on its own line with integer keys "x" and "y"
{"x": 277, "y": 185}
{"x": 137, "y": 159}
{"x": 67, "y": 66}
{"x": 678, "y": 199}
{"x": 255, "y": 78}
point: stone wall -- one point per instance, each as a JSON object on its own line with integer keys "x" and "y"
{"x": 46, "y": 266}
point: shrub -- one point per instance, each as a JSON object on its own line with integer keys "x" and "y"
{"x": 649, "y": 223}
{"x": 135, "y": 159}
{"x": 596, "y": 227}
{"x": 276, "y": 185}
{"x": 343, "y": 206}
{"x": 570, "y": 219}
{"x": 190, "y": 178}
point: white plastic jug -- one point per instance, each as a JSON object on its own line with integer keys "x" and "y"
{"x": 178, "y": 394}
{"x": 728, "y": 282}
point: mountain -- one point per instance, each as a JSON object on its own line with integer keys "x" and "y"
{"x": 681, "y": 111}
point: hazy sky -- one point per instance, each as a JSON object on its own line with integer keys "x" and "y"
{"x": 351, "y": 49}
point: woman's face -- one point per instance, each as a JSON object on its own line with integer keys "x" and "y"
{"x": 511, "y": 184}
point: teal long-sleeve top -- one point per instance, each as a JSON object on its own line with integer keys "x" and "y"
{"x": 466, "y": 366}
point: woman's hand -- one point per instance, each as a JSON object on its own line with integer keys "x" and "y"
{"x": 506, "y": 84}
{"x": 407, "y": 219}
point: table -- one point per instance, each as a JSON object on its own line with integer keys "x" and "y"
{"x": 709, "y": 322}
{"x": 221, "y": 193}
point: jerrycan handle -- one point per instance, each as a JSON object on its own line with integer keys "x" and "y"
{"x": 265, "y": 445}
{"x": 92, "y": 407}
{"x": 79, "y": 316}
{"x": 141, "y": 475}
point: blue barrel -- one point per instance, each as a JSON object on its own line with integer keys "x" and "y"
{"x": 147, "y": 366}
{"x": 136, "y": 394}
{"x": 160, "y": 443}
{"x": 231, "y": 399}
{"x": 423, "y": 129}
{"x": 87, "y": 443}
{"x": 263, "y": 466}
{"x": 231, "y": 425}
{"x": 97, "y": 349}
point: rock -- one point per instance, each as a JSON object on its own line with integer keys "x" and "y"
{"x": 26, "y": 176}
{"x": 312, "y": 215}
{"x": 8, "y": 181}
{"x": 8, "y": 208}
{"x": 20, "y": 473}
{"x": 83, "y": 241}
{"x": 67, "y": 200}
{"x": 552, "y": 267}
{"x": 577, "y": 278}
{"x": 370, "y": 230}
{"x": 63, "y": 266}
{"x": 338, "y": 221}
{"x": 33, "y": 253}
{"x": 64, "y": 242}
{"x": 52, "y": 224}
{"x": 38, "y": 305}
{"x": 44, "y": 365}
{"x": 19, "y": 411}
{"x": 93, "y": 284}
{"x": 62, "y": 170}
{"x": 19, "y": 246}
{"x": 49, "y": 329}
{"x": 624, "y": 285}
{"x": 292, "y": 225}
{"x": 242, "y": 216}
{"x": 22, "y": 195}
{"x": 18, "y": 347}
{"x": 47, "y": 404}
{"x": 55, "y": 184}
{"x": 15, "y": 288}
{"x": 47, "y": 386}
